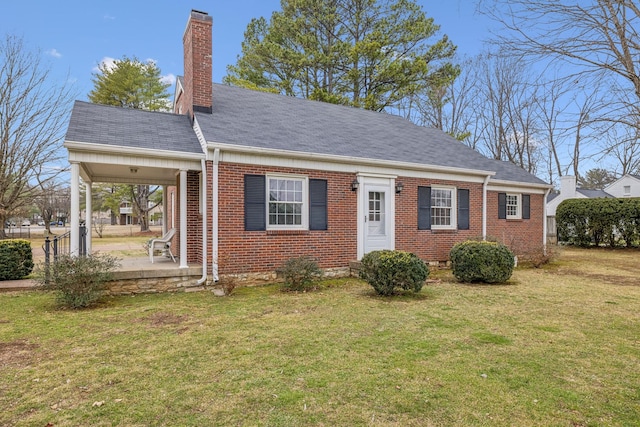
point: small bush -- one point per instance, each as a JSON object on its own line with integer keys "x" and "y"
{"x": 538, "y": 256}
{"x": 300, "y": 273}
{"x": 488, "y": 262}
{"x": 387, "y": 271}
{"x": 228, "y": 285}
{"x": 16, "y": 259}
{"x": 79, "y": 282}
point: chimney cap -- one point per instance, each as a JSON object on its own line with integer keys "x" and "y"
{"x": 204, "y": 16}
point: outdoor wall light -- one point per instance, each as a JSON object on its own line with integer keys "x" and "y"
{"x": 133, "y": 170}
{"x": 355, "y": 184}
{"x": 399, "y": 187}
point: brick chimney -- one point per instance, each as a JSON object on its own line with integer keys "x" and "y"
{"x": 198, "y": 75}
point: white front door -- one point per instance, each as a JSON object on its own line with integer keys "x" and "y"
{"x": 377, "y": 215}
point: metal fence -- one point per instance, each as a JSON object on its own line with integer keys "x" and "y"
{"x": 61, "y": 245}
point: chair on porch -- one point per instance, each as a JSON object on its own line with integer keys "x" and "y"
{"x": 162, "y": 243}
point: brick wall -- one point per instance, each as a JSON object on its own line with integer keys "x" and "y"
{"x": 521, "y": 236}
{"x": 433, "y": 245}
{"x": 258, "y": 251}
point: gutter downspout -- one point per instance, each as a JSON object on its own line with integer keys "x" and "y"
{"x": 484, "y": 206}
{"x": 203, "y": 188}
{"x": 214, "y": 216}
{"x": 544, "y": 222}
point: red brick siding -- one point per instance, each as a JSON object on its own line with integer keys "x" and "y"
{"x": 194, "y": 219}
{"x": 197, "y": 44}
{"x": 520, "y": 236}
{"x": 243, "y": 251}
{"x": 260, "y": 251}
{"x": 433, "y": 245}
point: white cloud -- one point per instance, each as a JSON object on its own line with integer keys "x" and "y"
{"x": 106, "y": 62}
{"x": 108, "y": 17}
{"x": 169, "y": 78}
{"x": 54, "y": 53}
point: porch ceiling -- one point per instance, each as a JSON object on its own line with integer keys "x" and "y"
{"x": 127, "y": 174}
{"x": 117, "y": 164}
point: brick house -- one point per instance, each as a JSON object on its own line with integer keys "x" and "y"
{"x": 252, "y": 179}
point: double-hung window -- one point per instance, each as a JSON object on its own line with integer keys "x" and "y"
{"x": 284, "y": 202}
{"x": 513, "y": 206}
{"x": 287, "y": 199}
{"x": 443, "y": 208}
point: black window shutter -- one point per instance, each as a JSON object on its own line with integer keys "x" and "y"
{"x": 463, "y": 209}
{"x": 254, "y": 203}
{"x": 502, "y": 205}
{"x": 424, "y": 208}
{"x": 317, "y": 204}
{"x": 526, "y": 209}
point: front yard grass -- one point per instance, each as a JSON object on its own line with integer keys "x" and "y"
{"x": 558, "y": 346}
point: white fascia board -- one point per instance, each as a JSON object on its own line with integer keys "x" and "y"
{"x": 198, "y": 131}
{"x": 284, "y": 158}
{"x": 514, "y": 186}
{"x": 79, "y": 148}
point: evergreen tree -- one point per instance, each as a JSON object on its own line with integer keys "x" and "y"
{"x": 130, "y": 83}
{"x": 371, "y": 54}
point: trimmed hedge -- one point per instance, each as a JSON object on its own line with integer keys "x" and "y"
{"x": 387, "y": 271}
{"x": 476, "y": 261}
{"x": 16, "y": 259}
{"x": 609, "y": 222}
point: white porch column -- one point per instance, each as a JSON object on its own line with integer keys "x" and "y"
{"x": 183, "y": 219}
{"x": 164, "y": 210}
{"x": 89, "y": 214}
{"x": 74, "y": 245}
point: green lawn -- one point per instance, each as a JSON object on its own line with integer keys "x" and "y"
{"x": 558, "y": 346}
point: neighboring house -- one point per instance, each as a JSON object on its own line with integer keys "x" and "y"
{"x": 126, "y": 216}
{"x": 252, "y": 179}
{"x": 626, "y": 186}
{"x": 568, "y": 190}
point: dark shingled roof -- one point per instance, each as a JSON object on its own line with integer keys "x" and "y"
{"x": 256, "y": 119}
{"x": 125, "y": 127}
{"x": 264, "y": 120}
{"x": 594, "y": 194}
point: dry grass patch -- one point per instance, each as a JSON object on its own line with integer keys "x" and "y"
{"x": 550, "y": 348}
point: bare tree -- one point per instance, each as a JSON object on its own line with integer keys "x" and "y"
{"x": 594, "y": 40}
{"x": 449, "y": 107}
{"x": 621, "y": 143}
{"x": 505, "y": 109}
{"x": 33, "y": 116}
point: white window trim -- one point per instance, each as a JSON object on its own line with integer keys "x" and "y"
{"x": 518, "y": 215}
{"x": 454, "y": 208}
{"x": 305, "y": 202}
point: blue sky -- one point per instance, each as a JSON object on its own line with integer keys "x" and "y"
{"x": 75, "y": 36}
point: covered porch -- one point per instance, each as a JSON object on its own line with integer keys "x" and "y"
{"x": 146, "y": 168}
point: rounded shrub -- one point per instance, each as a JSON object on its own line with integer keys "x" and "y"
{"x": 474, "y": 261}
{"x": 16, "y": 259}
{"x": 387, "y": 271}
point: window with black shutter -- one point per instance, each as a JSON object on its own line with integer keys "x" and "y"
{"x": 280, "y": 202}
